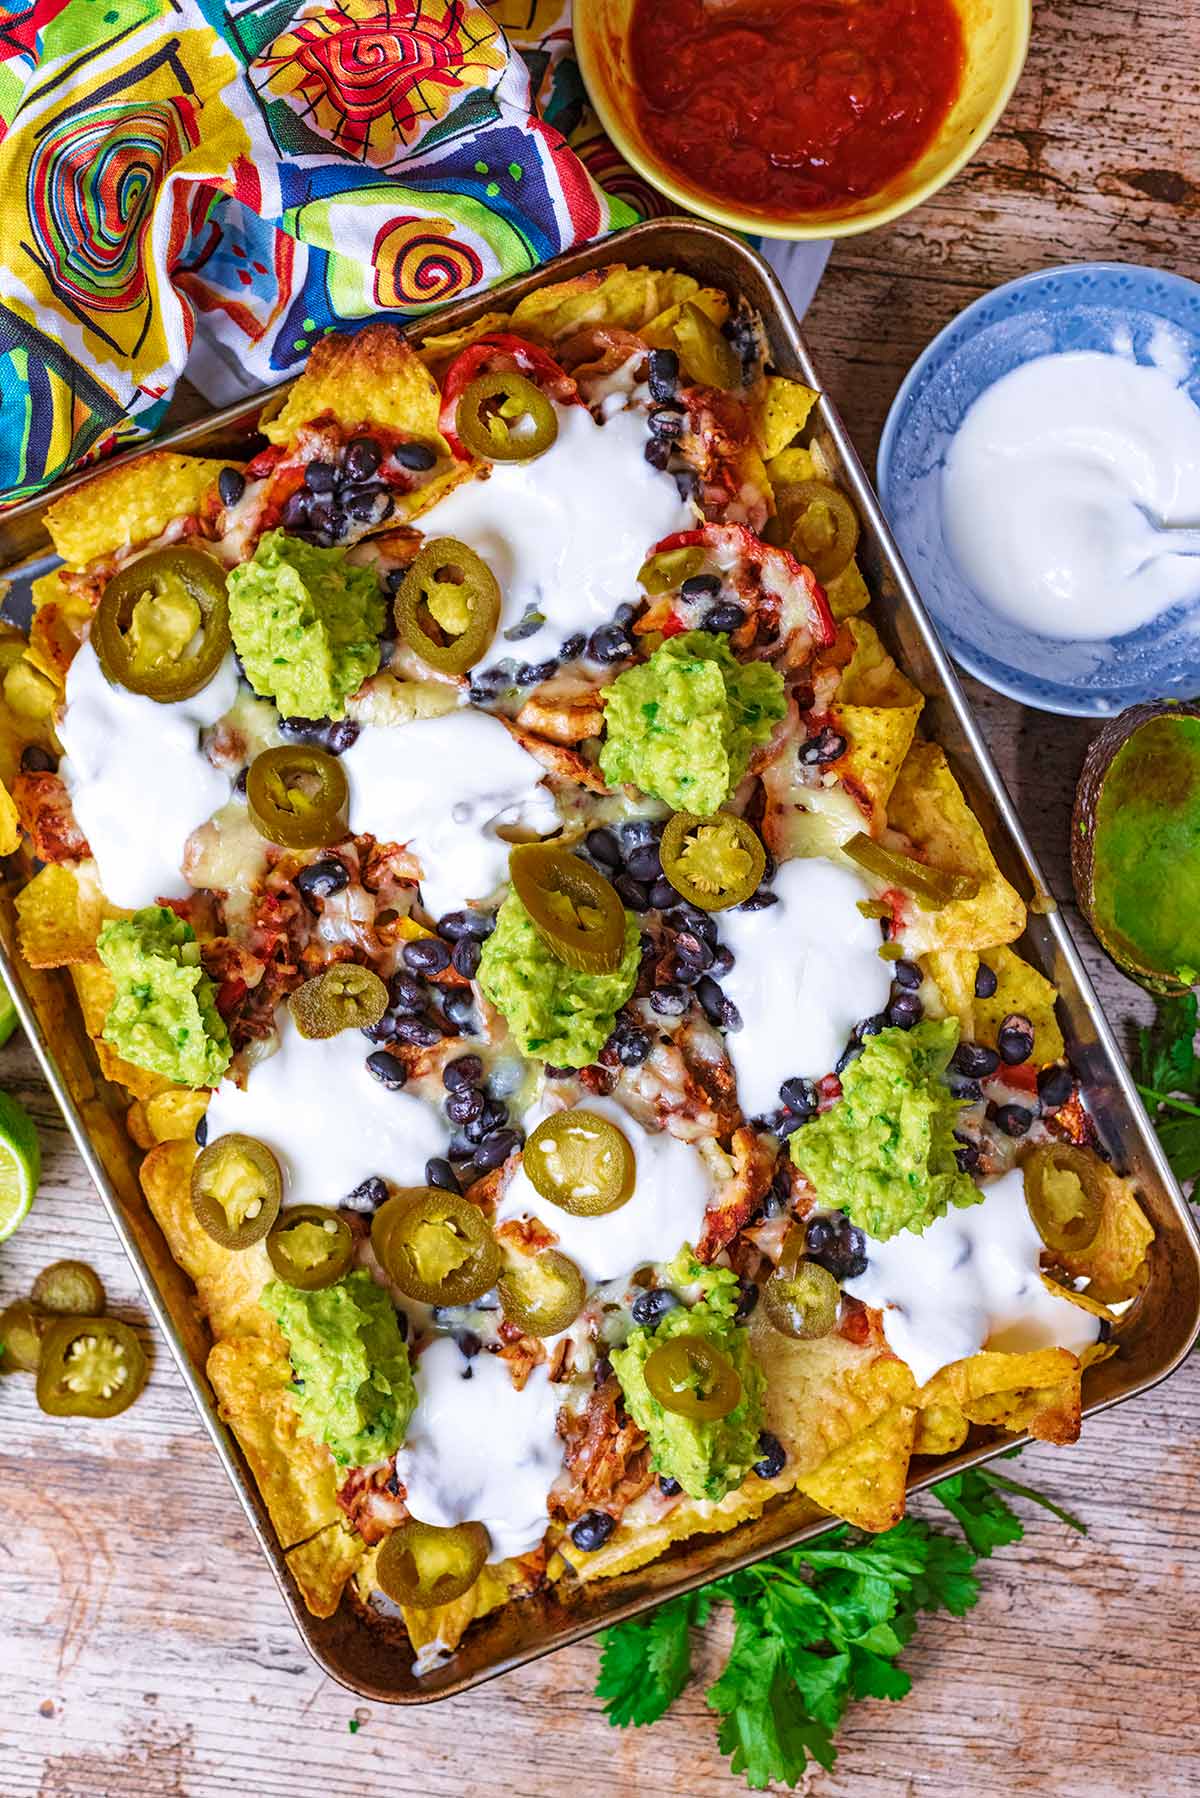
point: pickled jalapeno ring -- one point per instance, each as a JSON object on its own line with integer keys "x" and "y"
{"x": 422, "y": 1566}
{"x": 503, "y": 417}
{"x": 931, "y": 887}
{"x": 667, "y": 569}
{"x": 69, "y": 1289}
{"x": 23, "y": 1327}
{"x": 90, "y": 1367}
{"x": 543, "y": 1295}
{"x": 435, "y": 1246}
{"x": 708, "y": 358}
{"x": 162, "y": 626}
{"x": 821, "y": 526}
{"x": 690, "y": 1376}
{"x": 310, "y": 1246}
{"x": 345, "y": 997}
{"x": 1064, "y": 1190}
{"x": 574, "y": 909}
{"x": 581, "y": 1162}
{"x": 237, "y": 1190}
{"x": 448, "y": 606}
{"x": 800, "y": 1298}
{"x": 713, "y": 862}
{"x": 297, "y": 797}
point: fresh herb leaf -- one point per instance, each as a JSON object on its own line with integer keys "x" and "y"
{"x": 646, "y": 1662}
{"x": 1168, "y": 1078}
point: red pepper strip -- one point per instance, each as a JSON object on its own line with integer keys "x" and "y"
{"x": 783, "y": 566}
{"x": 500, "y": 350}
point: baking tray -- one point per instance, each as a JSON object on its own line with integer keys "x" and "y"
{"x": 1161, "y": 1331}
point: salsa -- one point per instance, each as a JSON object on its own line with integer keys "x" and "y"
{"x": 790, "y": 105}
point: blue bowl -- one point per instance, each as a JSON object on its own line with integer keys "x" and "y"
{"x": 1088, "y": 306}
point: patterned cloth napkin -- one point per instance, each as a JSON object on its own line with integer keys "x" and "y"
{"x": 191, "y": 183}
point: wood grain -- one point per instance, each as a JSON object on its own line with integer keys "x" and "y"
{"x": 144, "y": 1652}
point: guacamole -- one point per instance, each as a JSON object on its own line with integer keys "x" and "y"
{"x": 306, "y": 625}
{"x": 553, "y": 1010}
{"x": 885, "y": 1153}
{"x": 354, "y": 1387}
{"x": 682, "y": 725}
{"x": 164, "y": 1016}
{"x": 708, "y": 1459}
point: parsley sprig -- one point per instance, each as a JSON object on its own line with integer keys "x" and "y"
{"x": 1167, "y": 1071}
{"x": 815, "y": 1628}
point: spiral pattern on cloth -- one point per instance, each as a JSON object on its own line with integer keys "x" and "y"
{"x": 91, "y": 189}
{"x": 419, "y": 262}
{"x": 606, "y": 166}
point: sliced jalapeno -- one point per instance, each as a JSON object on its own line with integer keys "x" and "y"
{"x": 23, "y": 1327}
{"x": 707, "y": 356}
{"x": 503, "y": 417}
{"x": 800, "y": 1298}
{"x": 69, "y": 1289}
{"x": 162, "y": 625}
{"x": 714, "y": 862}
{"x": 422, "y": 1566}
{"x": 345, "y": 997}
{"x": 691, "y": 1376}
{"x": 931, "y": 887}
{"x": 448, "y": 606}
{"x": 575, "y": 910}
{"x": 90, "y": 1367}
{"x": 237, "y": 1189}
{"x": 297, "y": 797}
{"x": 544, "y": 1295}
{"x": 435, "y": 1246}
{"x": 310, "y": 1246}
{"x": 820, "y": 526}
{"x": 667, "y": 571}
{"x": 1064, "y": 1190}
{"x": 581, "y": 1162}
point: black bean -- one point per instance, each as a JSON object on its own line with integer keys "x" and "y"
{"x": 850, "y": 1053}
{"x": 387, "y": 1070}
{"x": 687, "y": 482}
{"x": 663, "y": 374}
{"x": 465, "y": 1105}
{"x": 774, "y": 1456}
{"x": 573, "y": 647}
{"x": 201, "y": 1131}
{"x": 724, "y": 618}
{"x": 320, "y": 880}
{"x": 760, "y": 900}
{"x": 631, "y": 1043}
{"x": 592, "y": 1531}
{"x": 363, "y": 456}
{"x": 493, "y": 1116}
{"x": 603, "y": 847}
{"x": 904, "y": 1010}
{"x": 36, "y": 760}
{"x": 495, "y": 1149}
{"x": 776, "y": 1201}
{"x": 231, "y": 484}
{"x": 464, "y": 1070}
{"x": 669, "y": 1001}
{"x": 1056, "y": 1086}
{"x": 367, "y": 1196}
{"x": 1014, "y": 1039}
{"x": 381, "y": 1032}
{"x": 417, "y": 456}
{"x": 799, "y": 1096}
{"x": 967, "y": 1158}
{"x": 368, "y": 505}
{"x": 731, "y": 1018}
{"x": 722, "y": 961}
{"x": 649, "y": 1308}
{"x": 458, "y": 924}
{"x": 747, "y": 1299}
{"x": 975, "y": 1060}
{"x": 464, "y": 958}
{"x": 459, "y": 1008}
{"x": 701, "y": 586}
{"x": 427, "y": 955}
{"x": 826, "y": 746}
{"x": 662, "y": 893}
{"x": 438, "y": 1172}
{"x": 985, "y": 981}
{"x": 741, "y": 335}
{"x": 669, "y": 1488}
{"x": 837, "y": 1245}
{"x": 406, "y": 995}
{"x": 625, "y": 614}
{"x": 239, "y": 785}
{"x": 638, "y": 830}
{"x": 320, "y": 477}
{"x": 657, "y": 452}
{"x": 665, "y": 422}
{"x": 294, "y": 516}
{"x": 335, "y": 735}
{"x": 907, "y": 974}
{"x": 692, "y": 953}
{"x": 469, "y": 1343}
{"x": 870, "y": 1026}
{"x": 421, "y": 1033}
{"x": 632, "y": 892}
{"x": 544, "y": 670}
{"x": 964, "y": 1089}
{"x": 1014, "y": 1120}
{"x": 609, "y": 644}
{"x": 644, "y": 862}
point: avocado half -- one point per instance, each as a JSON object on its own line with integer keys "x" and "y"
{"x": 1135, "y": 844}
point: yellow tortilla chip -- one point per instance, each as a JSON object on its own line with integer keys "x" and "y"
{"x": 1019, "y": 988}
{"x": 790, "y": 466}
{"x": 659, "y": 332}
{"x": 121, "y": 507}
{"x": 876, "y": 710}
{"x": 864, "y": 1481}
{"x": 32, "y": 697}
{"x": 322, "y": 1565}
{"x": 1037, "y": 1391}
{"x": 228, "y": 1283}
{"x": 448, "y": 1623}
{"x": 623, "y": 298}
{"x": 781, "y": 414}
{"x": 940, "y": 1430}
{"x": 440, "y": 348}
{"x": 295, "y": 1475}
{"x": 1115, "y": 1262}
{"x": 172, "y": 1115}
{"x": 928, "y": 806}
{"x": 10, "y": 824}
{"x": 632, "y": 1546}
{"x": 374, "y": 377}
{"x": 59, "y": 915}
{"x": 847, "y": 592}
{"x": 953, "y": 971}
{"x": 139, "y": 1083}
{"x": 822, "y": 1393}
{"x": 1083, "y": 1300}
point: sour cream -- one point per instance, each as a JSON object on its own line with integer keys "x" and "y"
{"x": 479, "y": 1451}
{"x": 970, "y": 1281}
{"x": 1055, "y": 483}
{"x": 444, "y": 786}
{"x": 138, "y": 779}
{"x": 672, "y": 1192}
{"x": 806, "y": 970}
{"x": 566, "y": 534}
{"x": 329, "y": 1123}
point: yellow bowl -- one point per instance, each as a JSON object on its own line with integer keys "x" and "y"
{"x": 996, "y": 36}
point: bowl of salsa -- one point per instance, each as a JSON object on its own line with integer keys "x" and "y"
{"x": 800, "y": 118}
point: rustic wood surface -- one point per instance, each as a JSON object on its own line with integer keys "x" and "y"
{"x": 144, "y": 1651}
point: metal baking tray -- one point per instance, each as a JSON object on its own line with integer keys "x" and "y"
{"x": 347, "y": 1646}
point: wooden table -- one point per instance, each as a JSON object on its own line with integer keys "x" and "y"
{"x": 144, "y": 1651}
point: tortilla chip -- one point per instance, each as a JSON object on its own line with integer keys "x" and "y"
{"x": 821, "y": 1394}
{"x": 322, "y": 1565}
{"x": 172, "y": 1115}
{"x": 1022, "y": 989}
{"x": 877, "y": 740}
{"x": 940, "y": 1430}
{"x": 59, "y": 915}
{"x": 295, "y": 1475}
{"x": 1115, "y": 1262}
{"x": 928, "y": 806}
{"x": 1037, "y": 1391}
{"x": 31, "y": 697}
{"x": 847, "y": 592}
{"x": 632, "y": 1546}
{"x": 440, "y": 348}
{"x": 228, "y": 1282}
{"x": 448, "y": 1623}
{"x": 620, "y": 297}
{"x": 1083, "y": 1300}
{"x": 659, "y": 332}
{"x": 864, "y": 1481}
{"x": 781, "y": 414}
{"x": 790, "y": 466}
{"x": 10, "y": 824}
{"x": 372, "y": 378}
{"x": 121, "y": 507}
{"x": 952, "y": 971}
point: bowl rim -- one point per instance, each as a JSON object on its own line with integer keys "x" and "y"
{"x": 803, "y": 227}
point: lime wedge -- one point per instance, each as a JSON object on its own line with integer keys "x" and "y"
{"x": 20, "y": 1164}
{"x": 8, "y": 1015}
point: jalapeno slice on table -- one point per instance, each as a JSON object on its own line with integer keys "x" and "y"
{"x": 310, "y": 1246}
{"x": 162, "y": 626}
{"x": 713, "y": 862}
{"x": 345, "y": 997}
{"x": 820, "y": 526}
{"x": 503, "y": 417}
{"x": 23, "y": 1327}
{"x": 448, "y": 605}
{"x": 69, "y": 1289}
{"x": 435, "y": 1246}
{"x": 237, "y": 1190}
{"x": 90, "y": 1367}
{"x": 931, "y": 887}
{"x": 543, "y": 1294}
{"x": 577, "y": 912}
{"x": 297, "y": 797}
{"x": 692, "y": 1377}
{"x": 581, "y": 1162}
{"x": 422, "y": 1566}
{"x": 1064, "y": 1190}
{"x": 800, "y": 1297}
